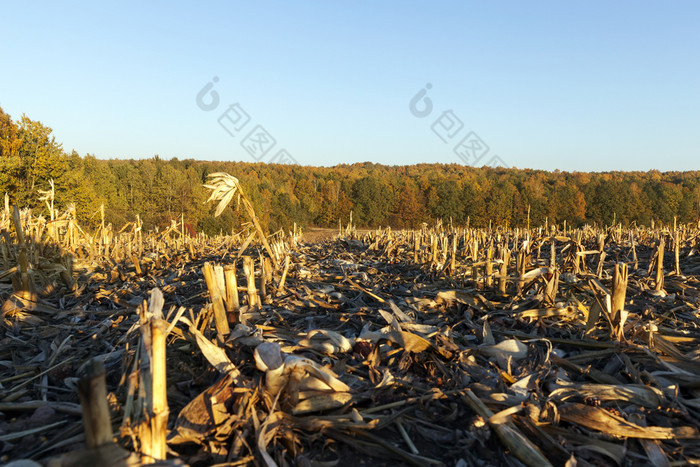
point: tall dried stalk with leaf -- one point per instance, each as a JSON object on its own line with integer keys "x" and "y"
{"x": 224, "y": 187}
{"x": 48, "y": 197}
{"x": 619, "y": 291}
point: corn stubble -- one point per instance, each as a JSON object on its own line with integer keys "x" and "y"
{"x": 438, "y": 346}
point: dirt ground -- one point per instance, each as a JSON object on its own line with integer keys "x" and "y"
{"x": 319, "y": 234}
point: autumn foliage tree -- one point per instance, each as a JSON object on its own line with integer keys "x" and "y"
{"x": 410, "y": 211}
{"x": 30, "y": 157}
{"x": 10, "y": 142}
{"x": 159, "y": 189}
{"x": 372, "y": 200}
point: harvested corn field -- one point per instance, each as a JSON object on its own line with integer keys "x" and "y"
{"x": 439, "y": 346}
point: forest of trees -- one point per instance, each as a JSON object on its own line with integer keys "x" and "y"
{"x": 399, "y": 196}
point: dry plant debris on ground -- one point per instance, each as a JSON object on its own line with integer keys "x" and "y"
{"x": 432, "y": 347}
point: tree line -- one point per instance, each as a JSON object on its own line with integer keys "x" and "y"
{"x": 159, "y": 190}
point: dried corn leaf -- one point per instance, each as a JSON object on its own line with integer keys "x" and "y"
{"x": 321, "y": 402}
{"x": 645, "y": 396}
{"x": 599, "y": 419}
{"x": 214, "y": 354}
{"x": 328, "y": 342}
{"x": 504, "y": 350}
{"x": 204, "y": 414}
{"x": 511, "y": 437}
{"x": 614, "y": 451}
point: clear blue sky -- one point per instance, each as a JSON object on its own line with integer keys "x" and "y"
{"x": 567, "y": 85}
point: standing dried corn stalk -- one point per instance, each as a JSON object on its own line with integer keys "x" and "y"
{"x": 224, "y": 187}
{"x": 48, "y": 197}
